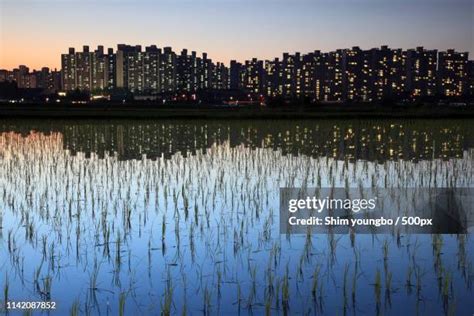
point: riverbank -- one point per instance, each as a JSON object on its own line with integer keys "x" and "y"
{"x": 209, "y": 112}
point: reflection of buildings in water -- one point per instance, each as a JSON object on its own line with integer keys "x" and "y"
{"x": 351, "y": 140}
{"x": 30, "y": 143}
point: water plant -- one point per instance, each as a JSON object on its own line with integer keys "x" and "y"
{"x": 207, "y": 211}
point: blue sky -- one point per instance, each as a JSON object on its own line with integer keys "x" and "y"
{"x": 35, "y": 32}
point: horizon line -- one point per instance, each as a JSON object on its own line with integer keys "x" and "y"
{"x": 230, "y": 60}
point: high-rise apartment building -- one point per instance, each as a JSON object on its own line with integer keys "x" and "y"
{"x": 470, "y": 78}
{"x": 357, "y": 74}
{"x": 332, "y": 85}
{"x": 254, "y": 76}
{"x": 220, "y": 76}
{"x": 342, "y": 75}
{"x": 151, "y": 70}
{"x": 272, "y": 77}
{"x": 111, "y": 69}
{"x": 452, "y": 73}
{"x": 168, "y": 70}
{"x": 84, "y": 69}
{"x": 421, "y": 72}
{"x": 100, "y": 72}
{"x": 236, "y": 75}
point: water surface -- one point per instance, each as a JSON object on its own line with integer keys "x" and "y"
{"x": 151, "y": 216}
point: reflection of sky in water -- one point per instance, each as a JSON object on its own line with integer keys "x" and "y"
{"x": 221, "y": 232}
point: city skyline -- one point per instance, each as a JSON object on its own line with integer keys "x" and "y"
{"x": 354, "y": 74}
{"x": 226, "y": 30}
{"x": 227, "y": 63}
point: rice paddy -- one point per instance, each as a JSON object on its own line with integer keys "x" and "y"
{"x": 166, "y": 217}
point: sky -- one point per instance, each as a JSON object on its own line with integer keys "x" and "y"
{"x": 36, "y": 32}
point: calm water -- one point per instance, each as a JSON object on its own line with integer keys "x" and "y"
{"x": 182, "y": 216}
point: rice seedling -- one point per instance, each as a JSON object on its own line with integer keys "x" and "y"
{"x": 285, "y": 291}
{"x": 6, "y": 289}
{"x": 418, "y": 285}
{"x": 207, "y": 301}
{"x": 388, "y": 287}
{"x": 377, "y": 285}
{"x": 46, "y": 291}
{"x": 239, "y": 295}
{"x": 268, "y": 306}
{"x": 408, "y": 282}
{"x": 121, "y": 303}
{"x": 446, "y": 285}
{"x": 385, "y": 249}
{"x": 344, "y": 285}
{"x": 219, "y": 281}
{"x": 355, "y": 276}
{"x": 167, "y": 298}
{"x": 94, "y": 277}
{"x": 219, "y": 193}
{"x": 75, "y": 310}
{"x": 118, "y": 252}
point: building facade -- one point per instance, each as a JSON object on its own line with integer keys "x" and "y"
{"x": 342, "y": 75}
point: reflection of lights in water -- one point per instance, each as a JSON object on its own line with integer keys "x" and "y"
{"x": 69, "y": 200}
